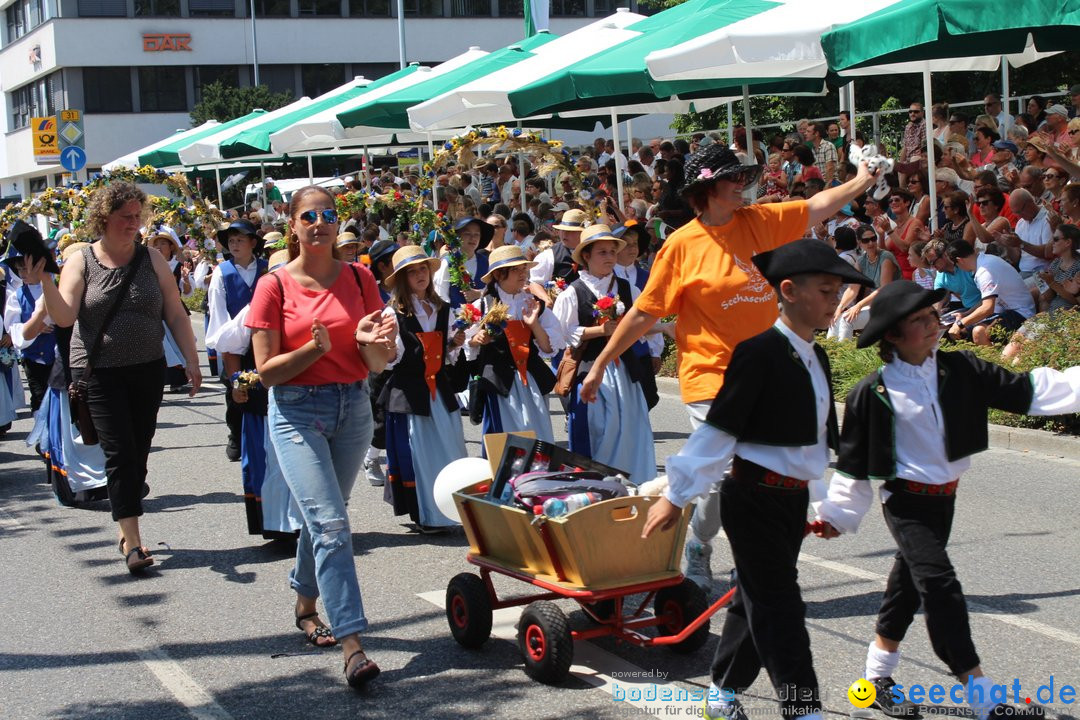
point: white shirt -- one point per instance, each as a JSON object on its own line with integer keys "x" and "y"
{"x": 628, "y": 273}
{"x": 1035, "y": 232}
{"x": 920, "y": 434}
{"x": 998, "y": 279}
{"x": 427, "y": 324}
{"x": 13, "y": 310}
{"x": 566, "y": 306}
{"x": 233, "y": 337}
{"x": 442, "y": 276}
{"x": 218, "y": 309}
{"x": 545, "y": 265}
{"x": 516, "y": 308}
{"x": 708, "y": 453}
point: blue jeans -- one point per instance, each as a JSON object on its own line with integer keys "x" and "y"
{"x": 320, "y": 434}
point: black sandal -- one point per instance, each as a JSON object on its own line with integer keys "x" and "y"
{"x": 137, "y": 560}
{"x": 362, "y": 674}
{"x": 320, "y": 631}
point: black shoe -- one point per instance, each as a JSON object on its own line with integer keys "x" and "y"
{"x": 885, "y": 701}
{"x": 232, "y": 450}
{"x": 145, "y": 489}
{"x": 1017, "y": 711}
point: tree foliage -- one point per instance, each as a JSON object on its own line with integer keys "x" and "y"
{"x": 222, "y": 102}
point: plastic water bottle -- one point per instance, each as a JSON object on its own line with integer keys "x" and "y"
{"x": 557, "y": 507}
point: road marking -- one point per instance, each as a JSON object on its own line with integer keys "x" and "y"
{"x": 599, "y": 668}
{"x": 1003, "y": 616}
{"x": 182, "y": 686}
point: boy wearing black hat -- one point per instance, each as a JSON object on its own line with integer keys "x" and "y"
{"x": 765, "y": 498}
{"x": 475, "y": 234}
{"x": 231, "y": 289}
{"x": 915, "y": 423}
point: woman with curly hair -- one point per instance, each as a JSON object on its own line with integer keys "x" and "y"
{"x": 115, "y": 293}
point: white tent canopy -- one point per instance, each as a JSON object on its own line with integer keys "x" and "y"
{"x": 131, "y": 160}
{"x": 208, "y": 150}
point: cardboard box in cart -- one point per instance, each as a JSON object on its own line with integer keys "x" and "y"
{"x": 596, "y": 547}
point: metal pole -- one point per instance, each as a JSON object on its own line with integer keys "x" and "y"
{"x": 521, "y": 178}
{"x": 629, "y": 141}
{"x": 928, "y": 100}
{"x": 310, "y": 170}
{"x": 367, "y": 170}
{"x": 730, "y": 124}
{"x": 217, "y": 179}
{"x": 746, "y": 121}
{"x": 262, "y": 183}
{"x": 1004, "y": 93}
{"x": 876, "y": 119}
{"x": 434, "y": 180}
{"x": 851, "y": 112}
{"x": 400, "y": 31}
{"x": 618, "y": 170}
{"x": 254, "y": 45}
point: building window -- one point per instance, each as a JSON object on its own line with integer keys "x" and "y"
{"x": 157, "y": 8}
{"x": 369, "y": 8}
{"x": 107, "y": 89}
{"x": 319, "y": 8}
{"x": 424, "y": 8}
{"x": 605, "y": 7}
{"x": 318, "y": 79}
{"x": 162, "y": 89}
{"x": 211, "y": 8}
{"x": 22, "y": 17}
{"x": 227, "y": 75}
{"x": 102, "y": 8}
{"x": 40, "y": 98}
{"x": 269, "y": 8}
{"x": 568, "y": 8}
{"x": 470, "y": 8}
{"x": 278, "y": 78}
{"x": 511, "y": 8}
{"x": 38, "y": 184}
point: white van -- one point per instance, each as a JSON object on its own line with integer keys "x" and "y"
{"x": 253, "y": 192}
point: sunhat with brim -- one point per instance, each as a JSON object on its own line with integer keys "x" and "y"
{"x": 717, "y": 162}
{"x": 347, "y": 238}
{"x": 486, "y": 231}
{"x": 71, "y": 249}
{"x": 24, "y": 240}
{"x": 411, "y": 255}
{"x": 505, "y": 256}
{"x": 279, "y": 258}
{"x": 163, "y": 231}
{"x": 274, "y": 240}
{"x": 382, "y": 250}
{"x": 594, "y": 234}
{"x": 806, "y": 257}
{"x": 637, "y": 233}
{"x": 572, "y": 220}
{"x": 893, "y": 303}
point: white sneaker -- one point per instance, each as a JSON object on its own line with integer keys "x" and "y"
{"x": 697, "y": 563}
{"x": 375, "y": 475}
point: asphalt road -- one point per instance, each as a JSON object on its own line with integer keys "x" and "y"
{"x": 208, "y": 634}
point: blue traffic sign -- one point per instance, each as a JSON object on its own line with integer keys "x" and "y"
{"x": 73, "y": 158}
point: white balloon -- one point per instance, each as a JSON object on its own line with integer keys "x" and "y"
{"x": 456, "y": 476}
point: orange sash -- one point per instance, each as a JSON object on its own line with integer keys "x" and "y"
{"x": 518, "y": 336}
{"x": 433, "y": 356}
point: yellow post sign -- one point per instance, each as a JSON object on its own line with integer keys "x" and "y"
{"x": 46, "y": 140}
{"x": 70, "y": 116}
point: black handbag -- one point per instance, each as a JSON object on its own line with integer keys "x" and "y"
{"x": 77, "y": 395}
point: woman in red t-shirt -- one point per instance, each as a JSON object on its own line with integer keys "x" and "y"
{"x": 314, "y": 357}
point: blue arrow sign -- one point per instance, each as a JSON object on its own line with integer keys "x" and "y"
{"x": 73, "y": 158}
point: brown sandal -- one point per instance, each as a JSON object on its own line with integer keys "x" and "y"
{"x": 320, "y": 631}
{"x": 137, "y": 560}
{"x": 363, "y": 673}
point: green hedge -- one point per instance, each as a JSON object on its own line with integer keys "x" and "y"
{"x": 195, "y": 302}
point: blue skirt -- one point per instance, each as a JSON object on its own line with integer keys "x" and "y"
{"x": 418, "y": 447}
{"x": 523, "y": 409}
{"x": 82, "y": 465}
{"x": 615, "y": 430}
{"x": 269, "y": 504}
{"x": 11, "y": 394}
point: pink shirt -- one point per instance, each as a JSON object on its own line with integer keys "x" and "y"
{"x": 339, "y": 308}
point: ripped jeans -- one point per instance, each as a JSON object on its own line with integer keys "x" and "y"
{"x": 320, "y": 434}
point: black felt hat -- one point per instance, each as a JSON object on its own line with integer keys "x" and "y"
{"x": 24, "y": 240}
{"x": 893, "y": 303}
{"x": 486, "y": 231}
{"x": 806, "y": 256}
{"x": 382, "y": 250}
{"x": 717, "y": 162}
{"x": 638, "y": 233}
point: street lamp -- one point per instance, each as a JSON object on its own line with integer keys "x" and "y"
{"x": 254, "y": 45}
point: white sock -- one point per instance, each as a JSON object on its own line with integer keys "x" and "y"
{"x": 718, "y": 700}
{"x": 978, "y": 696}
{"x": 880, "y": 663}
{"x": 372, "y": 454}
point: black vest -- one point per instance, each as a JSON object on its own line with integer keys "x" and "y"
{"x": 967, "y": 388}
{"x": 405, "y": 390}
{"x": 564, "y": 266}
{"x": 593, "y": 348}
{"x": 496, "y": 362}
{"x": 768, "y": 397}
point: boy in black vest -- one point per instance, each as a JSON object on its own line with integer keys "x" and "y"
{"x": 774, "y": 422}
{"x": 915, "y": 423}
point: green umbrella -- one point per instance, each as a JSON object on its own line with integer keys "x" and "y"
{"x": 619, "y": 77}
{"x": 255, "y": 140}
{"x": 389, "y": 111}
{"x": 168, "y": 155}
{"x": 921, "y": 30}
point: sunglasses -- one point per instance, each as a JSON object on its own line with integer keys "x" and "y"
{"x": 914, "y": 112}
{"x": 896, "y": 200}
{"x": 982, "y": 202}
{"x": 310, "y": 217}
{"x": 1053, "y": 176}
{"x": 868, "y": 239}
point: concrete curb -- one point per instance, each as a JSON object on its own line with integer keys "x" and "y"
{"x": 1002, "y": 437}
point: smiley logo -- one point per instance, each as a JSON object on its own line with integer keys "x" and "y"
{"x": 861, "y": 693}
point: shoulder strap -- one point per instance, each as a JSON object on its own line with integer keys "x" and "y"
{"x": 281, "y": 291}
{"x": 140, "y": 253}
{"x": 356, "y": 276}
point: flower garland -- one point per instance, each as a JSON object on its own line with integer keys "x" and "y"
{"x": 607, "y": 308}
{"x": 467, "y": 316}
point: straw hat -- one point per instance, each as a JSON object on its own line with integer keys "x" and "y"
{"x": 347, "y": 238}
{"x": 504, "y": 257}
{"x": 162, "y": 231}
{"x": 274, "y": 240}
{"x": 594, "y": 234}
{"x": 411, "y": 255}
{"x": 572, "y": 220}
{"x": 279, "y": 258}
{"x": 71, "y": 249}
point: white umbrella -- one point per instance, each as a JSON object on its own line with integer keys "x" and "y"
{"x": 207, "y": 150}
{"x": 131, "y": 160}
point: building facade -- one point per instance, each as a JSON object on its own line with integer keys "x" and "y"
{"x": 136, "y": 68}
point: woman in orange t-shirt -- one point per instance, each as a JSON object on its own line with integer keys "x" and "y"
{"x": 704, "y": 274}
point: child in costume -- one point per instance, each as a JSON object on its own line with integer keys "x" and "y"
{"x": 915, "y": 423}
{"x": 774, "y": 422}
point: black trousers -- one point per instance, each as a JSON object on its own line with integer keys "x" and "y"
{"x": 124, "y": 404}
{"x": 234, "y": 414}
{"x": 922, "y": 574}
{"x": 37, "y": 379}
{"x": 765, "y": 624}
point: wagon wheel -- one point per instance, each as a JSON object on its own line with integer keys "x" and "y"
{"x": 679, "y": 605}
{"x": 468, "y": 610}
{"x": 545, "y": 642}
